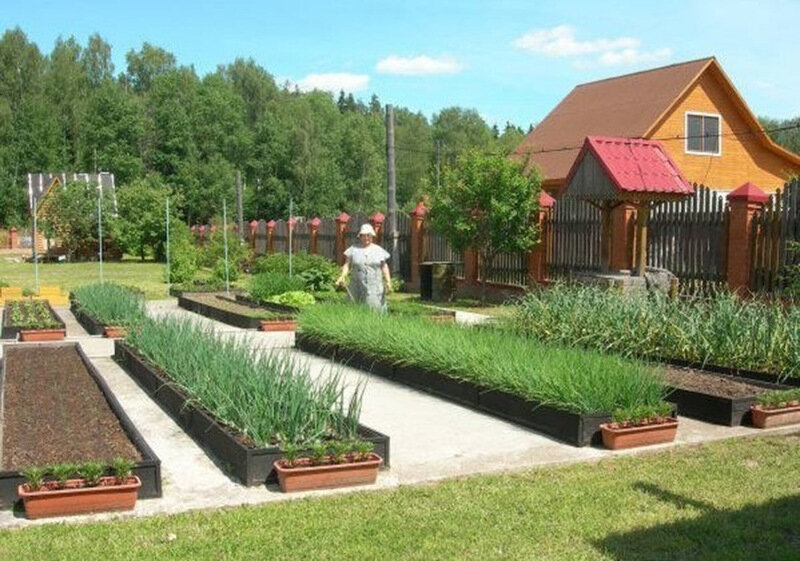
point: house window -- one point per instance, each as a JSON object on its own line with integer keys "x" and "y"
{"x": 703, "y": 134}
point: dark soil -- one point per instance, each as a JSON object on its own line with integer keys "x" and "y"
{"x": 54, "y": 411}
{"x": 223, "y": 303}
{"x": 710, "y": 383}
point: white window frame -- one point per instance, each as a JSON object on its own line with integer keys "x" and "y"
{"x": 686, "y": 116}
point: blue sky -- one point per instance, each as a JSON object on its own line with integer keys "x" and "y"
{"x": 510, "y": 60}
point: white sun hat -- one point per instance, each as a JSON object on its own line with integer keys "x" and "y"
{"x": 366, "y": 229}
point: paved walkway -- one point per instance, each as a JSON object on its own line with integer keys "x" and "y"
{"x": 431, "y": 438}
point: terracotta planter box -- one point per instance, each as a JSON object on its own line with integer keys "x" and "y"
{"x": 617, "y": 438}
{"x": 278, "y": 325}
{"x": 767, "y": 418}
{"x": 107, "y": 496}
{"x": 330, "y": 476}
{"x": 27, "y": 335}
{"x": 114, "y": 332}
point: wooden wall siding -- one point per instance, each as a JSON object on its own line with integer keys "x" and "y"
{"x": 326, "y": 238}
{"x": 689, "y": 238}
{"x": 403, "y": 244}
{"x": 590, "y": 181}
{"x": 744, "y": 157}
{"x": 774, "y": 227}
{"x": 575, "y": 234}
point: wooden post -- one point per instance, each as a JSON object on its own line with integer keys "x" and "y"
{"x": 13, "y": 238}
{"x": 606, "y": 236}
{"x": 239, "y": 212}
{"x": 417, "y": 241}
{"x": 291, "y": 241}
{"x": 313, "y": 233}
{"x": 253, "y": 226}
{"x": 391, "y": 190}
{"x": 744, "y": 203}
{"x": 270, "y": 234}
{"x": 642, "y": 216}
{"x": 622, "y": 236}
{"x": 537, "y": 257}
{"x": 341, "y": 236}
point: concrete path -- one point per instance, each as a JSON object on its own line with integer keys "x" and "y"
{"x": 431, "y": 438}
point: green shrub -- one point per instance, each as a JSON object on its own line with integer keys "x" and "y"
{"x": 266, "y": 285}
{"x": 183, "y": 254}
{"x": 239, "y": 254}
{"x": 218, "y": 272}
{"x": 296, "y": 298}
{"x": 318, "y": 272}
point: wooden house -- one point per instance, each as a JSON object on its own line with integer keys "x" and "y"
{"x": 692, "y": 108}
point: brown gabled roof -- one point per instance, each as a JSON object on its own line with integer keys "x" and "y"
{"x": 623, "y": 106}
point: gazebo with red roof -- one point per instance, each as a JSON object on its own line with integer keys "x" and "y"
{"x": 610, "y": 171}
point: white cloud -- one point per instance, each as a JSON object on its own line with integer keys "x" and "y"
{"x": 334, "y": 82}
{"x": 418, "y": 66}
{"x": 561, "y": 41}
{"x": 633, "y": 56}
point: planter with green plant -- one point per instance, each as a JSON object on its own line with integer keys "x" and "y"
{"x": 91, "y": 491}
{"x": 106, "y": 308}
{"x": 776, "y": 409}
{"x": 327, "y": 465}
{"x": 32, "y": 320}
{"x": 238, "y": 313}
{"x": 564, "y": 392}
{"x": 640, "y": 426}
{"x": 226, "y": 395}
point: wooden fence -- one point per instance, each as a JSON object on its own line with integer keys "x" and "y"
{"x": 689, "y": 238}
{"x": 775, "y": 227}
{"x": 574, "y": 234}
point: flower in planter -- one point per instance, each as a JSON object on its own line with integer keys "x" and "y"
{"x": 361, "y": 450}
{"x": 291, "y": 452}
{"x": 91, "y": 472}
{"x": 62, "y": 472}
{"x": 319, "y": 453}
{"x": 338, "y": 451}
{"x": 122, "y": 469}
{"x": 34, "y": 477}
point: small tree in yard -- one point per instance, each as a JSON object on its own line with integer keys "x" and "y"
{"x": 487, "y": 203}
{"x": 141, "y": 216}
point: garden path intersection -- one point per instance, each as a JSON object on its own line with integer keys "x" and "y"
{"x": 431, "y": 439}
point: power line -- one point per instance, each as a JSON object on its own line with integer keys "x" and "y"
{"x": 579, "y": 146}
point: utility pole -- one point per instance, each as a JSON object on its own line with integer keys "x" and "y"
{"x": 166, "y": 212}
{"x": 438, "y": 161}
{"x": 100, "y": 227}
{"x": 225, "y": 241}
{"x": 391, "y": 188}
{"x": 239, "y": 211}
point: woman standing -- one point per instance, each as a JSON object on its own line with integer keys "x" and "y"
{"x": 371, "y": 280}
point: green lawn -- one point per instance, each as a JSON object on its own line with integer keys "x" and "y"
{"x": 731, "y": 500}
{"x": 147, "y": 276}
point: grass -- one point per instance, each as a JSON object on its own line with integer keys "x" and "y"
{"x": 726, "y": 501}
{"x": 268, "y": 396}
{"x": 110, "y": 304}
{"x": 147, "y": 276}
{"x": 572, "y": 379}
{"x": 723, "y": 330}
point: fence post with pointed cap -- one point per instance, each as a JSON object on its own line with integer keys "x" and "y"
{"x": 313, "y": 232}
{"x": 537, "y": 256}
{"x": 417, "y": 243}
{"x": 270, "y": 235}
{"x": 341, "y": 236}
{"x": 744, "y": 202}
{"x": 377, "y": 220}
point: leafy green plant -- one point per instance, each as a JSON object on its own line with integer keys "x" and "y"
{"x": 642, "y": 414}
{"x": 218, "y": 272}
{"x": 184, "y": 255}
{"x": 572, "y": 379}
{"x": 723, "y": 330}
{"x": 291, "y": 452}
{"x": 296, "y": 298}
{"x": 338, "y": 451}
{"x": 32, "y": 314}
{"x": 91, "y": 472}
{"x": 264, "y": 286}
{"x": 110, "y": 304}
{"x": 779, "y": 399}
{"x": 34, "y": 477}
{"x": 263, "y": 394}
{"x": 361, "y": 450}
{"x": 62, "y": 472}
{"x": 122, "y": 468}
{"x": 319, "y": 451}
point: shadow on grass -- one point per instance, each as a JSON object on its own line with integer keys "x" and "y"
{"x": 761, "y": 531}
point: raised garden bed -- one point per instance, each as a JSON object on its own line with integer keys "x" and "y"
{"x": 251, "y": 464}
{"x": 578, "y": 429}
{"x": 232, "y": 312}
{"x": 57, "y": 408}
{"x": 756, "y": 376}
{"x": 31, "y": 320}
{"x": 89, "y": 323}
{"x": 714, "y": 398}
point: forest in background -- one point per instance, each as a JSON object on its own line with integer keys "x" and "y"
{"x": 70, "y": 110}
{"x": 158, "y": 123}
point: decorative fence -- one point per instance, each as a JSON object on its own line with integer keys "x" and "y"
{"x": 438, "y": 248}
{"x": 775, "y": 227}
{"x": 690, "y": 239}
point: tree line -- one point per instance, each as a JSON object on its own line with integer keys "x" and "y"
{"x": 159, "y": 123}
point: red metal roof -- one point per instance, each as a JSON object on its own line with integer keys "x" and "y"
{"x": 635, "y": 165}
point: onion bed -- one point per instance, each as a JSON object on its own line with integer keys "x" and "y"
{"x": 573, "y": 379}
{"x": 266, "y": 395}
{"x": 109, "y": 303}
